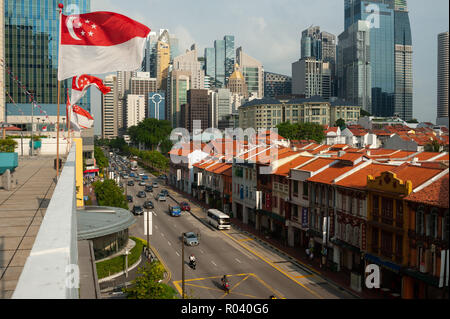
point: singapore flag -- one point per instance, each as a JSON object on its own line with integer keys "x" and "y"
{"x": 79, "y": 117}
{"x": 81, "y": 83}
{"x": 100, "y": 42}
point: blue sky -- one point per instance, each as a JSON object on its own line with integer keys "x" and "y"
{"x": 269, "y": 30}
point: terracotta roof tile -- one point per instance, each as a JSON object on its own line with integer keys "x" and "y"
{"x": 331, "y": 173}
{"x": 359, "y": 178}
{"x": 435, "y": 194}
{"x": 286, "y": 168}
{"x": 317, "y": 164}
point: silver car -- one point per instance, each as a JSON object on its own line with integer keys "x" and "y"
{"x": 190, "y": 239}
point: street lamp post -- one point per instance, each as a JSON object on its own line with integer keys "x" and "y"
{"x": 127, "y": 252}
{"x": 182, "y": 266}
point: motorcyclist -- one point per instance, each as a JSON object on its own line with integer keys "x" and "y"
{"x": 192, "y": 259}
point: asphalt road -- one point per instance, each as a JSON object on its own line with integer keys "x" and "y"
{"x": 254, "y": 270}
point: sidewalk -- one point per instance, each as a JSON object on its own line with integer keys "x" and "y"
{"x": 339, "y": 279}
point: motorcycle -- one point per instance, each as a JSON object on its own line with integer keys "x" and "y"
{"x": 192, "y": 264}
{"x": 226, "y": 287}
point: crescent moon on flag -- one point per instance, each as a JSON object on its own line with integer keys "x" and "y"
{"x": 76, "y": 81}
{"x": 70, "y": 27}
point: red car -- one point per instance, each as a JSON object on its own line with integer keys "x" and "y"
{"x": 185, "y": 207}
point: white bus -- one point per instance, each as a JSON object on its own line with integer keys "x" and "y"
{"x": 218, "y": 219}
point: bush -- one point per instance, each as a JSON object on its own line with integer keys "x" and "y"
{"x": 7, "y": 146}
{"x": 117, "y": 264}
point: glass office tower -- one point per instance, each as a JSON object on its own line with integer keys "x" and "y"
{"x": 210, "y": 63}
{"x": 390, "y": 53}
{"x": 31, "y": 52}
{"x": 219, "y": 46}
{"x": 229, "y": 56}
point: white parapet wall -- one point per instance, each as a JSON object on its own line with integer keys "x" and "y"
{"x": 51, "y": 270}
{"x": 49, "y": 146}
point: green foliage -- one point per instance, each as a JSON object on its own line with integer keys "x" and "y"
{"x": 147, "y": 285}
{"x": 7, "y": 146}
{"x": 365, "y": 113}
{"x": 413, "y": 121}
{"x": 155, "y": 159}
{"x": 109, "y": 194}
{"x": 117, "y": 264}
{"x": 151, "y": 133}
{"x": 433, "y": 146}
{"x": 302, "y": 131}
{"x": 100, "y": 158}
{"x": 341, "y": 124}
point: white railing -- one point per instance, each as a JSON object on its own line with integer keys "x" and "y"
{"x": 51, "y": 270}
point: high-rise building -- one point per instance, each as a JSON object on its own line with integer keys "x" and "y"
{"x": 253, "y": 73}
{"x": 219, "y": 49}
{"x": 189, "y": 62}
{"x": 321, "y": 45}
{"x": 219, "y": 61}
{"x": 277, "y": 84}
{"x": 178, "y": 84}
{"x": 196, "y": 109}
{"x": 123, "y": 88}
{"x": 390, "y": 53}
{"x": 223, "y": 104}
{"x": 443, "y": 74}
{"x": 157, "y": 105}
{"x": 142, "y": 84}
{"x": 31, "y": 53}
{"x": 109, "y": 109}
{"x": 149, "y": 62}
{"x": 230, "y": 56}
{"x": 354, "y": 69}
{"x": 2, "y": 57}
{"x": 135, "y": 109}
{"x": 307, "y": 76}
{"x": 162, "y": 58}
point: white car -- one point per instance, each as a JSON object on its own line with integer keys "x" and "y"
{"x": 161, "y": 198}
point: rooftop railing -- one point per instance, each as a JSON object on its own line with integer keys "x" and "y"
{"x": 51, "y": 270}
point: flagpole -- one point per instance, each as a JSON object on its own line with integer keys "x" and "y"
{"x": 60, "y": 6}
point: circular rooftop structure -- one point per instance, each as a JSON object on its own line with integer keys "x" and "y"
{"x": 97, "y": 221}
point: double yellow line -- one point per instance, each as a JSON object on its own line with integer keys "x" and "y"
{"x": 274, "y": 266}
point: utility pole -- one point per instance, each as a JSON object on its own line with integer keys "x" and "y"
{"x": 182, "y": 266}
{"x": 32, "y": 128}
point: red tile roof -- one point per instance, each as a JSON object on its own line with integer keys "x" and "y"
{"x": 359, "y": 178}
{"x": 331, "y": 173}
{"x": 317, "y": 164}
{"x": 435, "y": 194}
{"x": 286, "y": 168}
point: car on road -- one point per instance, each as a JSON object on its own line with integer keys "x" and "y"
{"x": 165, "y": 192}
{"x": 130, "y": 183}
{"x": 145, "y": 178}
{"x": 142, "y": 183}
{"x": 149, "y": 205}
{"x": 130, "y": 198}
{"x": 132, "y": 174}
{"x": 148, "y": 189}
{"x": 141, "y": 194}
{"x": 190, "y": 239}
{"x": 155, "y": 184}
{"x": 185, "y": 207}
{"x": 137, "y": 210}
{"x": 175, "y": 211}
{"x": 163, "y": 177}
{"x": 161, "y": 198}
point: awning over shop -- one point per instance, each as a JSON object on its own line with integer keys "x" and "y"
{"x": 91, "y": 171}
{"x": 385, "y": 264}
{"x": 431, "y": 280}
{"x": 346, "y": 245}
{"x": 272, "y": 215}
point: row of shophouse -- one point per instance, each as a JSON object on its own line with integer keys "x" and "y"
{"x": 353, "y": 206}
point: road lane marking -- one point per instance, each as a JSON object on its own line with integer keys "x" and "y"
{"x": 235, "y": 286}
{"x": 169, "y": 243}
{"x": 177, "y": 253}
{"x": 238, "y": 260}
{"x": 275, "y": 266}
{"x": 156, "y": 227}
{"x": 305, "y": 276}
{"x": 202, "y": 251}
{"x": 162, "y": 234}
{"x": 155, "y": 214}
{"x": 245, "y": 239}
{"x": 213, "y": 263}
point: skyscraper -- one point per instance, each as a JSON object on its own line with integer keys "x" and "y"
{"x": 157, "y": 105}
{"x": 189, "y": 62}
{"x": 390, "y": 53}
{"x": 177, "y": 86}
{"x": 443, "y": 74}
{"x": 109, "y": 109}
{"x": 162, "y": 58}
{"x": 135, "y": 109}
{"x": 219, "y": 49}
{"x": 307, "y": 76}
{"x": 31, "y": 52}
{"x": 230, "y": 56}
{"x": 253, "y": 72}
{"x": 354, "y": 69}
{"x": 149, "y": 62}
{"x": 210, "y": 64}
{"x": 2, "y": 56}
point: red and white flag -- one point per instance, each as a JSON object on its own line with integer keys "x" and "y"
{"x": 100, "y": 42}
{"x": 44, "y": 129}
{"x": 80, "y": 85}
{"x": 79, "y": 117}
